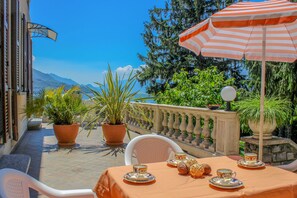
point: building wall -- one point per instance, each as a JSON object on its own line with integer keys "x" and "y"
{"x": 16, "y": 71}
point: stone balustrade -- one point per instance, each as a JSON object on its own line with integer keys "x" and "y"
{"x": 199, "y": 131}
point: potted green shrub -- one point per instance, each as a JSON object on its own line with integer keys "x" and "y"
{"x": 34, "y": 110}
{"x": 63, "y": 109}
{"x": 111, "y": 102}
{"x": 276, "y": 113}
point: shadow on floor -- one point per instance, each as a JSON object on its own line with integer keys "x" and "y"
{"x": 87, "y": 149}
{"x": 32, "y": 145}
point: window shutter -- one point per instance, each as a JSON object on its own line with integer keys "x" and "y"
{"x": 4, "y": 71}
{"x": 17, "y": 57}
{"x": 15, "y": 64}
{"x": 25, "y": 53}
{"x": 30, "y": 73}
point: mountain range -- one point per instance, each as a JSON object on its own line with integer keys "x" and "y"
{"x": 43, "y": 80}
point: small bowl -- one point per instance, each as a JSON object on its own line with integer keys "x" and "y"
{"x": 213, "y": 106}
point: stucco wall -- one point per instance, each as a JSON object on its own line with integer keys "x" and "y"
{"x": 21, "y": 97}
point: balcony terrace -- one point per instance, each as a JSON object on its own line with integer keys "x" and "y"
{"x": 81, "y": 166}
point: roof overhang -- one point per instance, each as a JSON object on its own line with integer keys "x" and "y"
{"x": 41, "y": 31}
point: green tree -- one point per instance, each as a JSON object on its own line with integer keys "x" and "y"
{"x": 198, "y": 90}
{"x": 164, "y": 55}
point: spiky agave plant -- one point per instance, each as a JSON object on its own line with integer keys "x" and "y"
{"x": 114, "y": 98}
{"x": 63, "y": 107}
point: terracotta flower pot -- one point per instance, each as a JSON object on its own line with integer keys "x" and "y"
{"x": 114, "y": 134}
{"x": 268, "y": 128}
{"x": 66, "y": 134}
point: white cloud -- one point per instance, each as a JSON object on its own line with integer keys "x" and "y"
{"x": 33, "y": 58}
{"x": 124, "y": 71}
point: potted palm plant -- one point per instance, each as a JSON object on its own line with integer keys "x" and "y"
{"x": 111, "y": 102}
{"x": 63, "y": 109}
{"x": 276, "y": 113}
{"x": 34, "y": 110}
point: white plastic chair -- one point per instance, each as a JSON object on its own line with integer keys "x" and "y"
{"x": 150, "y": 148}
{"x": 16, "y": 184}
{"x": 289, "y": 167}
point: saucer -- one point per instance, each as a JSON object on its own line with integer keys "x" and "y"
{"x": 225, "y": 184}
{"x": 243, "y": 163}
{"x": 139, "y": 178}
{"x": 173, "y": 162}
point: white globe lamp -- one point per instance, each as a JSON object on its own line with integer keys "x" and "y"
{"x": 228, "y": 94}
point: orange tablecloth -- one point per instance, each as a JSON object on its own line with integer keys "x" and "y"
{"x": 270, "y": 182}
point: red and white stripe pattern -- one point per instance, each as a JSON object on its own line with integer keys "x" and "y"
{"x": 237, "y": 31}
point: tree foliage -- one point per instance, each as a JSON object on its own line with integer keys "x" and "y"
{"x": 198, "y": 90}
{"x": 164, "y": 55}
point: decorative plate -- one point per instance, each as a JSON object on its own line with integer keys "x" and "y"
{"x": 218, "y": 182}
{"x": 139, "y": 178}
{"x": 173, "y": 162}
{"x": 258, "y": 164}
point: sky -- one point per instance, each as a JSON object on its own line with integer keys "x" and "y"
{"x": 91, "y": 35}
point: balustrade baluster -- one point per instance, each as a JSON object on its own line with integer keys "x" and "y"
{"x": 142, "y": 120}
{"x": 182, "y": 128}
{"x": 134, "y": 120}
{"x": 138, "y": 119}
{"x": 141, "y": 117}
{"x": 151, "y": 118}
{"x": 213, "y": 135}
{"x": 145, "y": 118}
{"x": 146, "y": 114}
{"x": 176, "y": 125}
{"x": 190, "y": 128}
{"x": 127, "y": 118}
{"x": 131, "y": 119}
{"x": 170, "y": 125}
{"x": 165, "y": 122}
{"x": 197, "y": 131}
{"x": 205, "y": 132}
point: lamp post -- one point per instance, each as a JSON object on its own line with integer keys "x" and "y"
{"x": 228, "y": 94}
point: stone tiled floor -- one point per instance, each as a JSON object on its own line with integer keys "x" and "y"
{"x": 69, "y": 168}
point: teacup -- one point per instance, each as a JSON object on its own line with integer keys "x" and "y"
{"x": 250, "y": 158}
{"x": 139, "y": 168}
{"x": 226, "y": 174}
{"x": 180, "y": 156}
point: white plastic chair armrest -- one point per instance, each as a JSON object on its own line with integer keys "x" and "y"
{"x": 290, "y": 167}
{"x": 82, "y": 193}
{"x": 51, "y": 192}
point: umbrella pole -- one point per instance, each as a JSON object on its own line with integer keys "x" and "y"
{"x": 263, "y": 80}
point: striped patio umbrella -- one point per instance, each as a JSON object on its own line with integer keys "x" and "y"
{"x": 263, "y": 31}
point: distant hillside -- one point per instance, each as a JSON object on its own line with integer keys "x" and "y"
{"x": 42, "y": 81}
{"x": 63, "y": 80}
